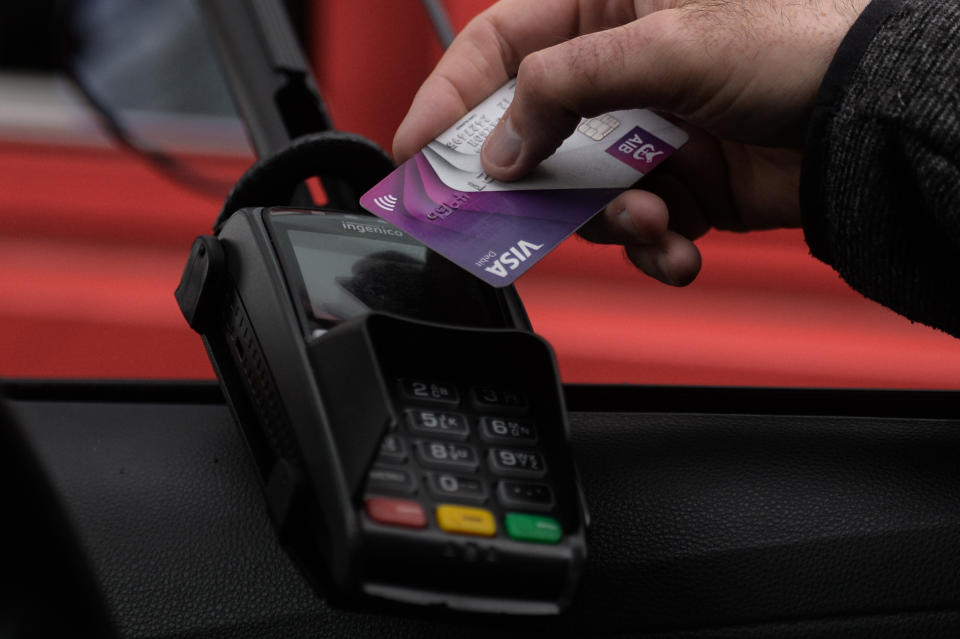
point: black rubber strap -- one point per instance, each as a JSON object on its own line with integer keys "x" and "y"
{"x": 353, "y": 159}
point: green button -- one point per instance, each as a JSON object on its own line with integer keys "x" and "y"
{"x": 535, "y": 528}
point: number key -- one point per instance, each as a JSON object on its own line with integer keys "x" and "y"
{"x": 506, "y": 430}
{"x": 449, "y": 486}
{"x": 392, "y": 450}
{"x": 447, "y": 455}
{"x": 490, "y": 397}
{"x": 517, "y": 463}
{"x": 430, "y": 391}
{"x": 437, "y": 422}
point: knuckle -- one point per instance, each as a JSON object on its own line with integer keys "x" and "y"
{"x": 569, "y": 74}
{"x": 594, "y": 58}
{"x": 536, "y": 70}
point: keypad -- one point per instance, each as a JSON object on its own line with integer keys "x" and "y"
{"x": 466, "y": 460}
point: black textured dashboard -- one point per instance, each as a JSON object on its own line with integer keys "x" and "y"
{"x": 715, "y": 513}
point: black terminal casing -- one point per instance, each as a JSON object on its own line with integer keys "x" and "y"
{"x": 314, "y": 406}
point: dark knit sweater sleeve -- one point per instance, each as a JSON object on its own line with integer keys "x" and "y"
{"x": 880, "y": 187}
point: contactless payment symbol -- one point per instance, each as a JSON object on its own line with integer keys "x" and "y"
{"x": 386, "y": 202}
{"x": 640, "y": 149}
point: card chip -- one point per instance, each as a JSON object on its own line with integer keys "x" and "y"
{"x": 599, "y": 127}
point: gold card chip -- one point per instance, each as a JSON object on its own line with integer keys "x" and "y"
{"x": 599, "y": 127}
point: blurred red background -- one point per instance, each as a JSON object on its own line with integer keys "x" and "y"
{"x": 92, "y": 243}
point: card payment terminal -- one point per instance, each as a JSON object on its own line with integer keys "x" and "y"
{"x": 407, "y": 426}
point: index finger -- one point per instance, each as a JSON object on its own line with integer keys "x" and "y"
{"x": 479, "y": 61}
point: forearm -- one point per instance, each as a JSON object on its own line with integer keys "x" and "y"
{"x": 880, "y": 189}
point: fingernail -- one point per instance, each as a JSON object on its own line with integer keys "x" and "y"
{"x": 503, "y": 146}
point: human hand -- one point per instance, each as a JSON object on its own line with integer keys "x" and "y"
{"x": 740, "y": 76}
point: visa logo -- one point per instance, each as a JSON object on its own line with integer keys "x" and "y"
{"x": 512, "y": 258}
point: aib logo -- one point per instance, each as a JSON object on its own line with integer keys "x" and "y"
{"x": 386, "y": 202}
{"x": 640, "y": 149}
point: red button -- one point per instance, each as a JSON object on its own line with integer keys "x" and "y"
{"x": 396, "y": 512}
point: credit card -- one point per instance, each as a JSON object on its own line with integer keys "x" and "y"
{"x": 498, "y": 230}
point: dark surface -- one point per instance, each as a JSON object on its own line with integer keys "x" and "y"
{"x": 704, "y": 525}
{"x": 27, "y": 30}
{"x": 46, "y": 587}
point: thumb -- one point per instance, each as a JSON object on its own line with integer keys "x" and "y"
{"x": 640, "y": 64}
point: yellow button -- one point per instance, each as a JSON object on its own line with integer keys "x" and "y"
{"x": 466, "y": 521}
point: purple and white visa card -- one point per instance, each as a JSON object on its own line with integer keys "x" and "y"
{"x": 497, "y": 230}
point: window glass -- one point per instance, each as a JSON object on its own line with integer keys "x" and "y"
{"x": 93, "y": 237}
